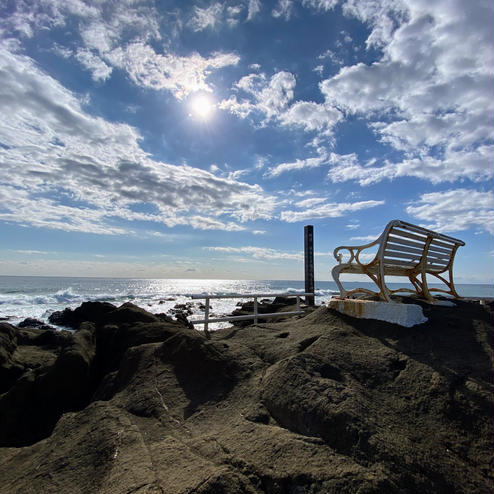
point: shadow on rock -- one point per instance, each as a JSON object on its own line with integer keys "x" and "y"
{"x": 203, "y": 368}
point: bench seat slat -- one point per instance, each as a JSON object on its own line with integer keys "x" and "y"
{"x": 388, "y": 254}
{"x": 437, "y": 257}
{"x": 408, "y": 243}
{"x": 402, "y": 255}
{"x": 436, "y": 266}
{"x": 397, "y": 262}
{"x": 438, "y": 239}
{"x": 401, "y": 233}
{"x": 434, "y": 248}
{"x": 425, "y": 231}
{"x": 391, "y": 258}
{"x": 402, "y": 248}
{"x": 436, "y": 262}
{"x": 437, "y": 243}
{"x": 436, "y": 269}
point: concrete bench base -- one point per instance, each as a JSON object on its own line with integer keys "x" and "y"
{"x": 406, "y": 315}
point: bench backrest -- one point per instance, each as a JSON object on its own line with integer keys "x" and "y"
{"x": 403, "y": 246}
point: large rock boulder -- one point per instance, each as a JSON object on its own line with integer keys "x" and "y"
{"x": 310, "y": 396}
{"x": 31, "y": 407}
{"x": 87, "y": 361}
{"x": 88, "y": 311}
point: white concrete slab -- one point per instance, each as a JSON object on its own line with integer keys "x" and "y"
{"x": 406, "y": 315}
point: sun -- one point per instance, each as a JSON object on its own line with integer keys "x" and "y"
{"x": 202, "y": 106}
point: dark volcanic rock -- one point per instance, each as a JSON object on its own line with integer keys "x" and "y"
{"x": 137, "y": 403}
{"x": 31, "y": 407}
{"x": 88, "y": 311}
{"x": 33, "y": 323}
{"x": 10, "y": 370}
{"x": 311, "y": 396}
{"x": 182, "y": 318}
{"x": 204, "y": 369}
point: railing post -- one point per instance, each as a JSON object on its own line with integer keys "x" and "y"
{"x": 298, "y": 303}
{"x": 255, "y": 310}
{"x": 206, "y": 318}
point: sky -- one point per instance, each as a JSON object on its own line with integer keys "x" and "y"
{"x": 196, "y": 139}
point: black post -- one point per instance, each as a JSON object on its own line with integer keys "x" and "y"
{"x": 309, "y": 262}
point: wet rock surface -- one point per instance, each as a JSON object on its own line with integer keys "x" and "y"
{"x": 132, "y": 402}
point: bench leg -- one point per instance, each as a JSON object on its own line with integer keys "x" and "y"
{"x": 449, "y": 284}
{"x": 383, "y": 289}
{"x": 335, "y": 273}
{"x": 381, "y": 283}
{"x": 425, "y": 288}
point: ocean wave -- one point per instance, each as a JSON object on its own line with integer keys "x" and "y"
{"x": 294, "y": 290}
{"x": 325, "y": 293}
{"x": 62, "y": 297}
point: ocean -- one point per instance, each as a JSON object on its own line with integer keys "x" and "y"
{"x": 39, "y": 296}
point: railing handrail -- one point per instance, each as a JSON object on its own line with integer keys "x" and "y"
{"x": 255, "y": 315}
{"x": 252, "y": 295}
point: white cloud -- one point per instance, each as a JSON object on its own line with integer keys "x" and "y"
{"x": 180, "y": 75}
{"x": 232, "y": 14}
{"x": 208, "y": 17}
{"x": 214, "y": 16}
{"x": 34, "y": 252}
{"x": 259, "y": 252}
{"x": 253, "y": 9}
{"x": 328, "y": 210}
{"x": 298, "y": 164}
{"x": 308, "y": 203}
{"x": 429, "y": 96}
{"x": 331, "y": 56}
{"x": 283, "y": 9}
{"x": 320, "y": 4}
{"x": 269, "y": 97}
{"x": 364, "y": 238}
{"x": 384, "y": 16}
{"x": 205, "y": 223}
{"x": 312, "y": 116}
{"x": 477, "y": 165}
{"x": 455, "y": 210}
{"x": 343, "y": 167}
{"x": 319, "y": 69}
{"x": 117, "y": 35}
{"x": 99, "y": 69}
{"x": 62, "y": 168}
{"x": 21, "y": 207}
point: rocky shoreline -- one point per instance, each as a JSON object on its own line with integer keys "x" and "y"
{"x": 133, "y": 402}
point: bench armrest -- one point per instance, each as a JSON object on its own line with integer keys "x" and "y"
{"x": 354, "y": 251}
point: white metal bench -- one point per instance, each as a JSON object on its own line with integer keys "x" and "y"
{"x": 403, "y": 250}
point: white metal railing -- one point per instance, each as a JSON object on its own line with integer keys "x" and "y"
{"x": 255, "y": 315}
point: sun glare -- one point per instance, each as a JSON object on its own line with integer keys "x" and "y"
{"x": 202, "y": 107}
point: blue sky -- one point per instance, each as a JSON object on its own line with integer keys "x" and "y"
{"x": 196, "y": 139}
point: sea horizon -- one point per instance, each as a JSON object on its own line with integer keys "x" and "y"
{"x": 202, "y": 279}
